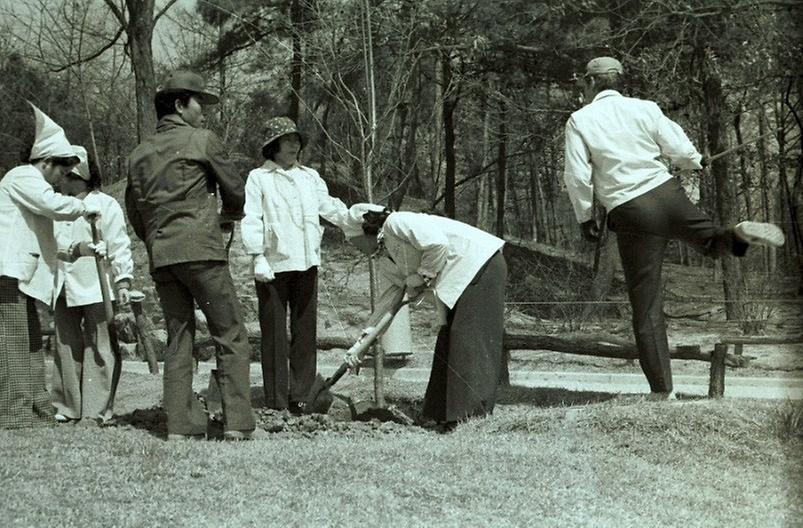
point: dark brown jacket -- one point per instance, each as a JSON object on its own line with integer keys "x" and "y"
{"x": 171, "y": 198}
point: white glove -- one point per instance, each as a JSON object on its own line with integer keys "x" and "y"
{"x": 123, "y": 296}
{"x": 90, "y": 249}
{"x": 352, "y": 359}
{"x": 262, "y": 270}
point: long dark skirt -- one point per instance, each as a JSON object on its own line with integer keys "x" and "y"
{"x": 24, "y": 400}
{"x": 468, "y": 351}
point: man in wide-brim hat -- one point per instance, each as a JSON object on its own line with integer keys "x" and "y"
{"x": 174, "y": 177}
{"x": 282, "y": 232}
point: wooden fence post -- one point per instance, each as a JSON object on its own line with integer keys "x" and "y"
{"x": 716, "y": 384}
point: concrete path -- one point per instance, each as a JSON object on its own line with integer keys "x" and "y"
{"x": 735, "y": 386}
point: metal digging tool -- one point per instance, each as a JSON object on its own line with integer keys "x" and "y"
{"x": 320, "y": 399}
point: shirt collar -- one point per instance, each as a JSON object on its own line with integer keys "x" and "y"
{"x": 606, "y": 93}
{"x": 271, "y": 165}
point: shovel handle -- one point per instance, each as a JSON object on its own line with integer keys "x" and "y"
{"x": 100, "y": 264}
{"x": 362, "y": 344}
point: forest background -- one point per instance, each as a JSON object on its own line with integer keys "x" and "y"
{"x": 454, "y": 108}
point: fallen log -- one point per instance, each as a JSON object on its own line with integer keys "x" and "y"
{"x": 607, "y": 346}
{"x": 600, "y": 346}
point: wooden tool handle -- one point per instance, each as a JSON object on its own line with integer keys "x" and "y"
{"x": 100, "y": 263}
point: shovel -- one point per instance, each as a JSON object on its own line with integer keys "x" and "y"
{"x": 100, "y": 263}
{"x": 320, "y": 399}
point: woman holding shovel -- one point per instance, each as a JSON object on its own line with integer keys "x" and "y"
{"x": 464, "y": 269}
{"x": 86, "y": 361}
{"x": 282, "y": 232}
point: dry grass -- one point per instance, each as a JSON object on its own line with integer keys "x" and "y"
{"x": 545, "y": 458}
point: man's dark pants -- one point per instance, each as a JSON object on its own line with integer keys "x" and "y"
{"x": 643, "y": 227}
{"x": 209, "y": 284}
{"x": 288, "y": 370}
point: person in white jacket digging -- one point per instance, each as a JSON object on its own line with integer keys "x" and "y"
{"x": 466, "y": 272}
{"x": 87, "y": 365}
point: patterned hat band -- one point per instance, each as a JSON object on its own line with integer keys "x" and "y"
{"x": 278, "y": 127}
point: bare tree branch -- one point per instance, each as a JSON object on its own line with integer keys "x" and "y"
{"x": 167, "y": 6}
{"x": 94, "y": 55}
{"x": 118, "y": 13}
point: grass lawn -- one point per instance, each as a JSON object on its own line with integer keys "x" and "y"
{"x": 545, "y": 458}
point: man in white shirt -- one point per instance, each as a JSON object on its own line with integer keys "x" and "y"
{"x": 613, "y": 150}
{"x": 28, "y": 207}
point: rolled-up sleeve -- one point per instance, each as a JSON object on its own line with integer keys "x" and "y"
{"x": 253, "y": 227}
{"x": 577, "y": 173}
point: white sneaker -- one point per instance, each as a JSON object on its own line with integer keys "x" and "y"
{"x": 759, "y": 234}
{"x": 60, "y": 418}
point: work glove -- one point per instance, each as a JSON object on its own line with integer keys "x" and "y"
{"x": 351, "y": 358}
{"x": 590, "y": 230}
{"x": 90, "y": 249}
{"x": 123, "y": 295}
{"x": 262, "y": 270}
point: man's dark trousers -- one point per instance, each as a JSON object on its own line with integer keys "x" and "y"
{"x": 209, "y": 284}
{"x": 288, "y": 370}
{"x": 643, "y": 227}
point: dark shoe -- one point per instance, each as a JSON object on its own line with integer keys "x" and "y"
{"x": 759, "y": 234}
{"x": 296, "y": 408}
{"x": 175, "y": 437}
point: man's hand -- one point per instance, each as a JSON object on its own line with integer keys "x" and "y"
{"x": 123, "y": 296}
{"x": 262, "y": 270}
{"x": 91, "y": 210}
{"x": 415, "y": 285}
{"x": 590, "y": 230}
{"x": 227, "y": 226}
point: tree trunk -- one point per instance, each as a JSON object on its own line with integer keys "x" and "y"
{"x": 746, "y": 185}
{"x": 501, "y": 171}
{"x": 140, "y": 37}
{"x": 449, "y": 104}
{"x": 297, "y": 21}
{"x": 714, "y": 100}
{"x": 770, "y": 253}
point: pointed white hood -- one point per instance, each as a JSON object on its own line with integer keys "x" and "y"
{"x": 50, "y": 140}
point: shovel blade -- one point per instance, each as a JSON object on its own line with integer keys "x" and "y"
{"x": 320, "y": 399}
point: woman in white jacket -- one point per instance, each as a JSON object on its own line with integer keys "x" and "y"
{"x": 464, "y": 269}
{"x": 282, "y": 232}
{"x": 87, "y": 364}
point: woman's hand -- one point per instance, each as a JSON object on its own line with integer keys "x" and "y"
{"x": 262, "y": 270}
